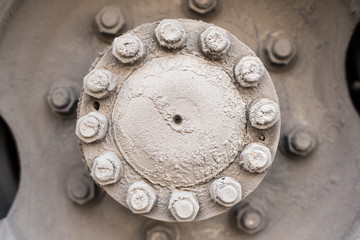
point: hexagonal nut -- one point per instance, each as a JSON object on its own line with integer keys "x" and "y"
{"x": 110, "y": 20}
{"x": 92, "y": 127}
{"x": 141, "y": 197}
{"x": 251, "y": 217}
{"x": 62, "y": 99}
{"x": 81, "y": 189}
{"x": 215, "y": 42}
{"x": 226, "y": 191}
{"x": 300, "y": 140}
{"x": 202, "y": 6}
{"x": 249, "y": 71}
{"x": 184, "y": 206}
{"x": 128, "y": 48}
{"x": 170, "y": 34}
{"x": 255, "y": 158}
{"x": 264, "y": 113}
{"x": 99, "y": 83}
{"x": 280, "y": 49}
{"x": 106, "y": 169}
{"x": 161, "y": 232}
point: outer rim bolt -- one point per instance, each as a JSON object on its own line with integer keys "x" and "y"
{"x": 170, "y": 34}
{"x": 255, "y": 157}
{"x": 81, "y": 189}
{"x": 92, "y": 127}
{"x": 264, "y": 113}
{"x": 128, "y": 48}
{"x": 141, "y": 197}
{"x": 226, "y": 191}
{"x": 215, "y": 42}
{"x": 202, "y": 6}
{"x": 106, "y": 169}
{"x": 184, "y": 206}
{"x": 99, "y": 83}
{"x": 280, "y": 49}
{"x": 62, "y": 99}
{"x": 299, "y": 141}
{"x": 110, "y": 20}
{"x": 248, "y": 71}
{"x": 251, "y": 218}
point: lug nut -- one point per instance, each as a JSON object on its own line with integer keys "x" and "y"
{"x": 226, "y": 191}
{"x": 128, "y": 49}
{"x": 110, "y": 20}
{"x": 264, "y": 113}
{"x": 141, "y": 197}
{"x": 161, "y": 232}
{"x": 215, "y": 42}
{"x": 184, "y": 206}
{"x": 91, "y": 127}
{"x": 99, "y": 83}
{"x": 300, "y": 141}
{"x": 106, "y": 169}
{"x": 251, "y": 218}
{"x": 280, "y": 49}
{"x": 62, "y": 99}
{"x": 255, "y": 157}
{"x": 81, "y": 189}
{"x": 248, "y": 71}
{"x": 170, "y": 34}
{"x": 202, "y": 6}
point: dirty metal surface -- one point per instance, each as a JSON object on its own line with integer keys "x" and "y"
{"x": 51, "y": 43}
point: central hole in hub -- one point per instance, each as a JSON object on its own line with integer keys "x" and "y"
{"x": 177, "y": 119}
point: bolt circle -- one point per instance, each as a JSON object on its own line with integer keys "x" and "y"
{"x": 184, "y": 206}
{"x": 248, "y": 71}
{"x": 99, "y": 83}
{"x": 91, "y": 127}
{"x": 226, "y": 191}
{"x": 264, "y": 113}
{"x": 141, "y": 197}
{"x": 170, "y": 34}
{"x": 255, "y": 158}
{"x": 106, "y": 168}
{"x": 215, "y": 42}
{"x": 128, "y": 48}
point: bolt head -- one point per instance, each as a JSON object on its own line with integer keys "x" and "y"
{"x": 251, "y": 218}
{"x": 226, "y": 191}
{"x": 255, "y": 158}
{"x": 92, "y": 127}
{"x": 249, "y": 71}
{"x": 110, "y": 20}
{"x": 128, "y": 49}
{"x": 141, "y": 197}
{"x": 184, "y": 206}
{"x": 99, "y": 83}
{"x": 280, "y": 49}
{"x": 106, "y": 169}
{"x": 264, "y": 113}
{"x": 161, "y": 232}
{"x": 215, "y": 42}
{"x": 81, "y": 189}
{"x": 300, "y": 141}
{"x": 62, "y": 99}
{"x": 170, "y": 34}
{"x": 202, "y": 6}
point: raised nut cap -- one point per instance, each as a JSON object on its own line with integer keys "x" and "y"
{"x": 128, "y": 48}
{"x": 99, "y": 83}
{"x": 184, "y": 206}
{"x": 170, "y": 34}
{"x": 264, "y": 113}
{"x": 141, "y": 197}
{"x": 106, "y": 168}
{"x": 255, "y": 158}
{"x": 248, "y": 71}
{"x": 215, "y": 42}
{"x": 226, "y": 191}
{"x": 91, "y": 127}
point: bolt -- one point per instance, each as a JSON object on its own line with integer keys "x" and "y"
{"x": 81, "y": 189}
{"x": 141, "y": 197}
{"x": 255, "y": 158}
{"x": 110, "y": 20}
{"x": 264, "y": 113}
{"x": 99, "y": 83}
{"x": 91, "y": 127}
{"x": 202, "y": 6}
{"x": 184, "y": 206}
{"x": 249, "y": 71}
{"x": 251, "y": 218}
{"x": 215, "y": 42}
{"x": 170, "y": 34}
{"x": 128, "y": 49}
{"x": 62, "y": 99}
{"x": 300, "y": 141}
{"x": 161, "y": 232}
{"x": 106, "y": 168}
{"x": 226, "y": 191}
{"x": 280, "y": 49}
